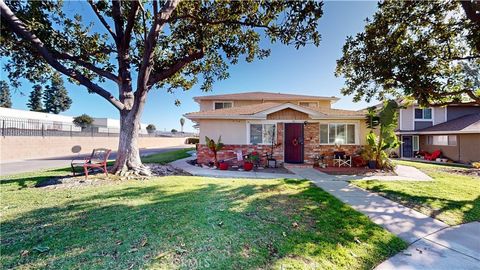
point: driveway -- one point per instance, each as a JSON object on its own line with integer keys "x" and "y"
{"x": 31, "y": 165}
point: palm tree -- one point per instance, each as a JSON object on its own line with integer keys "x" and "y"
{"x": 182, "y": 122}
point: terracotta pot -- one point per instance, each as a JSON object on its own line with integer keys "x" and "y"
{"x": 248, "y": 166}
{"x": 223, "y": 166}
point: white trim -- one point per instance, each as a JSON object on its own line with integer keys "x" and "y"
{"x": 400, "y": 126}
{"x": 214, "y": 116}
{"x": 289, "y": 105}
{"x": 222, "y": 101}
{"x": 423, "y": 119}
{"x": 418, "y": 143}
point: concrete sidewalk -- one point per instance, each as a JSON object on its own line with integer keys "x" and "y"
{"x": 32, "y": 165}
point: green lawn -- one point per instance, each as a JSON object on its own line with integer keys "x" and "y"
{"x": 452, "y": 198}
{"x": 185, "y": 222}
{"x": 167, "y": 157}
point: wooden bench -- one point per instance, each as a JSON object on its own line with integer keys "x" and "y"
{"x": 98, "y": 159}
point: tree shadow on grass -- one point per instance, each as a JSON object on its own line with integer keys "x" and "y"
{"x": 211, "y": 224}
{"x": 452, "y": 212}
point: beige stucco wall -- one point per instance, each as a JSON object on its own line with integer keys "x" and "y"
{"x": 232, "y": 131}
{"x": 235, "y": 131}
{"x": 21, "y": 147}
{"x": 406, "y": 119}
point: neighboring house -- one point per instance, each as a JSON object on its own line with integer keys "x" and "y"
{"x": 454, "y": 129}
{"x": 299, "y": 127}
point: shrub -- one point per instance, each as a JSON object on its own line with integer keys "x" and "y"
{"x": 83, "y": 121}
{"x": 151, "y": 128}
{"x": 192, "y": 140}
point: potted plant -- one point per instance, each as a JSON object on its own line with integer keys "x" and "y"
{"x": 223, "y": 165}
{"x": 214, "y": 147}
{"x": 368, "y": 154}
{"x": 250, "y": 160}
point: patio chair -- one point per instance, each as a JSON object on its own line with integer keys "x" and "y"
{"x": 98, "y": 159}
{"x": 341, "y": 159}
{"x": 433, "y": 156}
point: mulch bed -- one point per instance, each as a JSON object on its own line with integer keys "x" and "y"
{"x": 353, "y": 171}
{"x": 98, "y": 178}
{"x": 281, "y": 170}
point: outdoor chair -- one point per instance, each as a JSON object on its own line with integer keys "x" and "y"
{"x": 98, "y": 159}
{"x": 341, "y": 159}
{"x": 433, "y": 156}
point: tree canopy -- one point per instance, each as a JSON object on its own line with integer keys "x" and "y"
{"x": 35, "y": 99}
{"x": 5, "y": 96}
{"x": 428, "y": 50}
{"x": 83, "y": 121}
{"x": 168, "y": 43}
{"x": 56, "y": 97}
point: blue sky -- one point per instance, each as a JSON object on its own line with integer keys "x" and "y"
{"x": 309, "y": 71}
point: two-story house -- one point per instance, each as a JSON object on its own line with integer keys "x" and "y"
{"x": 297, "y": 127}
{"x": 454, "y": 130}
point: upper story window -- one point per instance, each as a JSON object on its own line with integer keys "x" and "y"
{"x": 423, "y": 114}
{"x": 308, "y": 104}
{"x": 222, "y": 104}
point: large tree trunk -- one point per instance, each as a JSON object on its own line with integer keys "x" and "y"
{"x": 128, "y": 155}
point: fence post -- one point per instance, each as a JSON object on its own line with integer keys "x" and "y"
{"x": 91, "y": 131}
{"x": 70, "y": 130}
{"x": 43, "y": 130}
{"x": 3, "y": 128}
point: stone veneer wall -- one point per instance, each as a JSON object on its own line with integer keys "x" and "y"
{"x": 312, "y": 147}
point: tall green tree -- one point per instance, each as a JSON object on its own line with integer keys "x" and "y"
{"x": 143, "y": 46}
{"x": 429, "y": 50}
{"x": 35, "y": 99}
{"x": 56, "y": 97}
{"x": 5, "y": 96}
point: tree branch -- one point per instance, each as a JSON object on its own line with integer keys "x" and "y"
{"x": 161, "y": 17}
{"x": 102, "y": 19}
{"x": 118, "y": 19}
{"x": 19, "y": 28}
{"x": 179, "y": 64}
{"x": 87, "y": 65}
{"x": 130, "y": 23}
{"x": 472, "y": 12}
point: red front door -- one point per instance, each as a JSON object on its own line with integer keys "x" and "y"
{"x": 293, "y": 143}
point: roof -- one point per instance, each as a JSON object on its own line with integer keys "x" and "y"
{"x": 264, "y": 96}
{"x": 261, "y": 110}
{"x": 465, "y": 124}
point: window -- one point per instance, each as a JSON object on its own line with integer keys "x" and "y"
{"x": 309, "y": 104}
{"x": 223, "y": 105}
{"x": 415, "y": 143}
{"x": 262, "y": 133}
{"x": 337, "y": 134}
{"x": 423, "y": 113}
{"x": 324, "y": 133}
{"x": 447, "y": 140}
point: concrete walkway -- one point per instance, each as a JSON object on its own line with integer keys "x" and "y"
{"x": 433, "y": 244}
